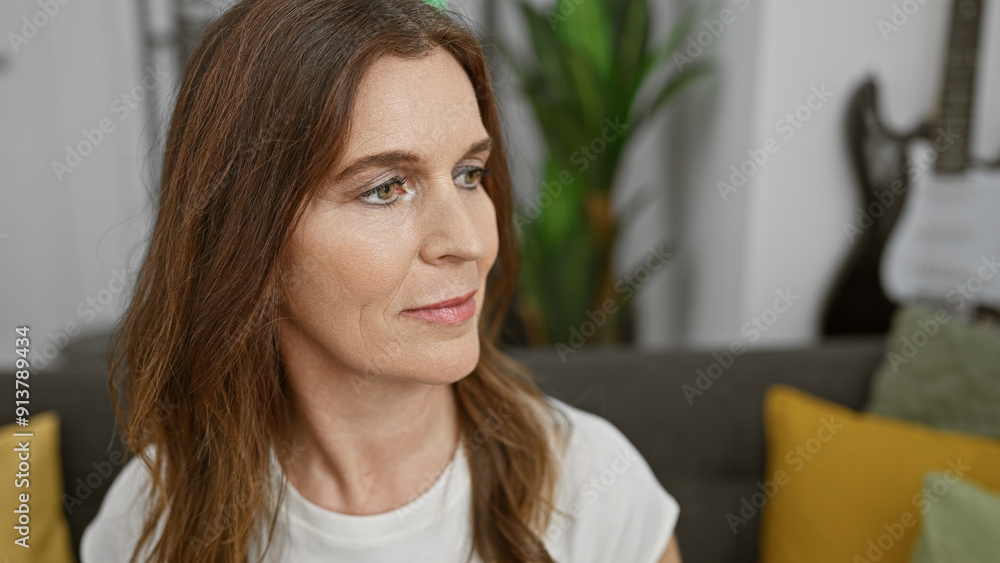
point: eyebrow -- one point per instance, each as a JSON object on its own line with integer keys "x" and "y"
{"x": 389, "y": 158}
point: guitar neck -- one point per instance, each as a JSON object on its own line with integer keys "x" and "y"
{"x": 959, "y": 85}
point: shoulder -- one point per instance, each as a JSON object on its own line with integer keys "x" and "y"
{"x": 112, "y": 534}
{"x": 590, "y": 432}
{"x": 617, "y": 509}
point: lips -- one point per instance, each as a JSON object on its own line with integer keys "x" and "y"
{"x": 453, "y": 311}
{"x": 447, "y": 302}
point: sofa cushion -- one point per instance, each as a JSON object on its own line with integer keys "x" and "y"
{"x": 33, "y": 529}
{"x": 961, "y": 522}
{"x": 941, "y": 371}
{"x": 846, "y": 486}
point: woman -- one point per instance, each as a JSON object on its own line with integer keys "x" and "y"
{"x": 308, "y": 369}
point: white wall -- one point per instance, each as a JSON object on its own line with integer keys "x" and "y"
{"x": 66, "y": 239}
{"x": 708, "y": 130}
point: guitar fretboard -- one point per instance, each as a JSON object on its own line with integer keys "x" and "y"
{"x": 959, "y": 86}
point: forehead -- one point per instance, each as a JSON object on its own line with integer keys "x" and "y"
{"x": 422, "y": 105}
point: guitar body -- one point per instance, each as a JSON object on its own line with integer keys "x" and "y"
{"x": 857, "y": 303}
{"x": 947, "y": 242}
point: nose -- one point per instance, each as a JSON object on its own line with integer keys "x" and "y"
{"x": 449, "y": 222}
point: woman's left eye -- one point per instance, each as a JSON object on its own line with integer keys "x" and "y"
{"x": 472, "y": 175}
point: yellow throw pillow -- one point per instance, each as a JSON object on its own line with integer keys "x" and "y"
{"x": 847, "y": 487}
{"x": 40, "y": 478}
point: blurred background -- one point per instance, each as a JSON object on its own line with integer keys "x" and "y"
{"x": 817, "y": 182}
{"x": 76, "y": 197}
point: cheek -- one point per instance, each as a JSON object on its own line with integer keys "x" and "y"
{"x": 346, "y": 274}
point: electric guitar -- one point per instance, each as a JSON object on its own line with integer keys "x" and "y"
{"x": 929, "y": 224}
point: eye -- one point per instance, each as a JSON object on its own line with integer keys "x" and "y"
{"x": 472, "y": 176}
{"x": 382, "y": 195}
{"x": 383, "y": 192}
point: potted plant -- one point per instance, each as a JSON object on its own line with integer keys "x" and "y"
{"x": 589, "y": 60}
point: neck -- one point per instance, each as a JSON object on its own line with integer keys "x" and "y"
{"x": 361, "y": 449}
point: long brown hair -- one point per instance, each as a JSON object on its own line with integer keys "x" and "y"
{"x": 261, "y": 118}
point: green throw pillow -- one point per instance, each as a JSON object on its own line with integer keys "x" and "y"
{"x": 940, "y": 371}
{"x": 961, "y": 523}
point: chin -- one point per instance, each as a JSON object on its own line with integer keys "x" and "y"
{"x": 449, "y": 364}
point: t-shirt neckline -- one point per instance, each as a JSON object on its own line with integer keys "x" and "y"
{"x": 448, "y": 490}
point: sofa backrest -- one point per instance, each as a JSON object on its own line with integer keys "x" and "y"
{"x": 705, "y": 443}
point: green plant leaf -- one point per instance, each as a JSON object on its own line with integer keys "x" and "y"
{"x": 631, "y": 48}
{"x": 559, "y": 128}
{"x": 677, "y": 82}
{"x": 587, "y": 86}
{"x": 677, "y": 34}
{"x": 588, "y": 29}
{"x": 550, "y": 54}
{"x": 560, "y": 217}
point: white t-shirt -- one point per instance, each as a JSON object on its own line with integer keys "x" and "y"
{"x": 620, "y": 512}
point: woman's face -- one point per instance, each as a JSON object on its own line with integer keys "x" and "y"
{"x": 403, "y": 223}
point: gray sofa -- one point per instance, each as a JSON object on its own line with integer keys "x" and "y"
{"x": 707, "y": 449}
